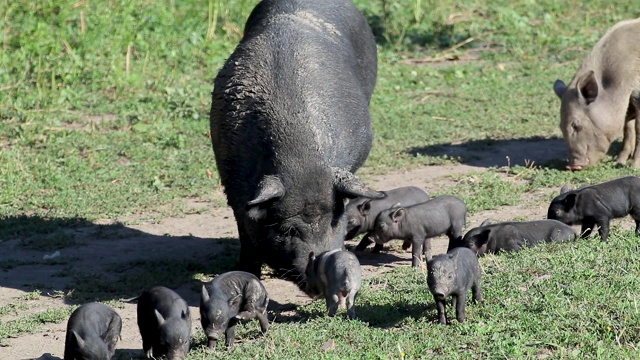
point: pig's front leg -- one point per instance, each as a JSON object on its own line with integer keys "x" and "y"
{"x": 442, "y": 315}
{"x": 461, "y": 303}
{"x": 628, "y": 142}
{"x": 603, "y": 228}
{"x": 587, "y": 227}
{"x": 416, "y": 251}
{"x": 230, "y": 333}
{"x": 427, "y": 249}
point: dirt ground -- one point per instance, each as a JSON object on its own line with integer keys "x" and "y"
{"x": 197, "y": 236}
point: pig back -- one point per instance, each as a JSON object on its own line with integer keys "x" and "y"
{"x": 307, "y": 105}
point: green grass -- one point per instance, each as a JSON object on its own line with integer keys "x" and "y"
{"x": 559, "y": 300}
{"x": 104, "y": 114}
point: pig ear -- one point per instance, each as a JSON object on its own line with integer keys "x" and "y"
{"x": 486, "y": 222}
{"x": 570, "y": 201}
{"x": 565, "y": 188}
{"x": 588, "y": 87}
{"x": 78, "y": 339}
{"x": 184, "y": 314}
{"x": 270, "y": 188}
{"x": 204, "y": 297}
{"x": 559, "y": 88}
{"x": 365, "y": 207}
{"x": 159, "y": 317}
{"x": 397, "y": 214}
{"x": 351, "y": 186}
{"x": 484, "y": 237}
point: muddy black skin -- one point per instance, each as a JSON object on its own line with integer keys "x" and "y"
{"x": 229, "y": 298}
{"x": 165, "y": 323}
{"x": 514, "y": 236}
{"x": 598, "y": 204}
{"x": 362, "y": 212}
{"x": 454, "y": 274}
{"x": 92, "y": 333}
{"x": 290, "y": 125}
{"x": 417, "y": 224}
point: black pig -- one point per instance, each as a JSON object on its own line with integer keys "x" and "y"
{"x": 597, "y": 205}
{"x": 513, "y": 235}
{"x": 419, "y": 223}
{"x": 92, "y": 333}
{"x": 229, "y": 298}
{"x": 290, "y": 125}
{"x": 362, "y": 212}
{"x": 165, "y": 323}
{"x": 453, "y": 274}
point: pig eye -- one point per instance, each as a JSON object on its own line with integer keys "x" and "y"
{"x": 576, "y": 127}
{"x": 352, "y": 221}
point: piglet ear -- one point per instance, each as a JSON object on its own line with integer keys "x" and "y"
{"x": 398, "y": 214}
{"x": 365, "y": 207}
{"x": 484, "y": 237}
{"x": 565, "y": 188}
{"x": 570, "y": 201}
{"x": 159, "y": 317}
{"x": 78, "y": 339}
{"x": 312, "y": 257}
{"x": 204, "y": 295}
{"x": 486, "y": 222}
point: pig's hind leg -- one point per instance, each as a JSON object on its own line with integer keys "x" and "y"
{"x": 476, "y": 291}
{"x": 333, "y": 301}
{"x": 350, "y": 301}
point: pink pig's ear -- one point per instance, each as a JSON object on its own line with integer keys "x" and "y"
{"x": 588, "y": 87}
{"x": 397, "y": 214}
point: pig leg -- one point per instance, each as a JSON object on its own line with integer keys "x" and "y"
{"x": 350, "y": 302}
{"x": 461, "y": 302}
{"x": 362, "y": 245}
{"x": 246, "y": 315}
{"x": 476, "y": 291}
{"x": 603, "y": 229}
{"x": 146, "y": 348}
{"x": 377, "y": 248}
{"x": 264, "y": 322}
{"x": 635, "y": 160}
{"x": 333, "y": 302}
{"x": 416, "y": 252}
{"x": 442, "y": 315}
{"x": 587, "y": 227}
{"x": 428, "y": 254}
{"x": 230, "y": 333}
{"x": 248, "y": 260}
{"x": 628, "y": 142}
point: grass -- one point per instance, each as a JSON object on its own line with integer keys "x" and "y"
{"x": 104, "y": 115}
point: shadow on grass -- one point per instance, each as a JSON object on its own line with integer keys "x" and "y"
{"x": 534, "y": 151}
{"x": 392, "y": 315}
{"x": 83, "y": 261}
{"x": 390, "y": 33}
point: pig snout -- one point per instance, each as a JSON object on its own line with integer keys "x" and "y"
{"x": 574, "y": 167}
{"x": 176, "y": 354}
{"x": 440, "y": 295}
